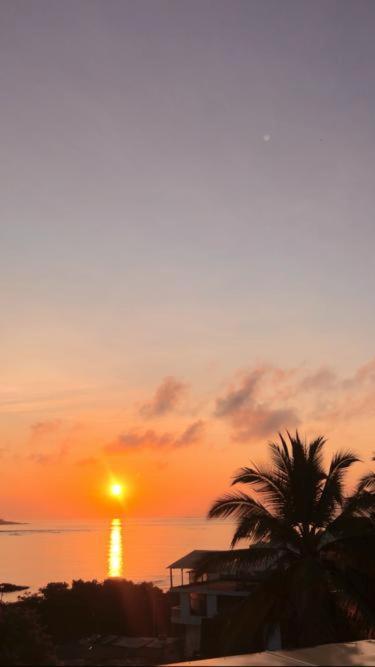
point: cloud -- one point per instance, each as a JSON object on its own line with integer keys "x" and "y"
{"x": 41, "y": 459}
{"x": 267, "y": 399}
{"x": 192, "y": 434}
{"x": 365, "y": 375}
{"x": 237, "y": 399}
{"x": 88, "y": 461}
{"x": 250, "y": 416}
{"x": 166, "y": 398}
{"x": 150, "y": 439}
{"x": 321, "y": 380}
{"x": 16, "y": 400}
{"x": 262, "y": 421}
{"x": 139, "y": 440}
{"x": 47, "y": 427}
{"x": 51, "y": 457}
{"x": 51, "y": 440}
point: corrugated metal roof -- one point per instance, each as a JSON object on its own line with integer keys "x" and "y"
{"x": 346, "y": 654}
{"x": 191, "y": 559}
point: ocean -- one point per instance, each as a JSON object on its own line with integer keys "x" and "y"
{"x": 39, "y": 552}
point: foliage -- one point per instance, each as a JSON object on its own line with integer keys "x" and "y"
{"x": 116, "y": 606}
{"x": 22, "y": 640}
{"x": 311, "y": 548}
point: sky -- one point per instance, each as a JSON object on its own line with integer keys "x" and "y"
{"x": 186, "y": 244}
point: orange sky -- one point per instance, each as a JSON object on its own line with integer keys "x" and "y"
{"x": 172, "y": 447}
{"x": 186, "y": 244}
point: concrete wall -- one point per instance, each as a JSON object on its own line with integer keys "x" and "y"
{"x": 192, "y": 640}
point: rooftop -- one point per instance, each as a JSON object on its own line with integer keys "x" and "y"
{"x": 216, "y": 585}
{"x": 191, "y": 560}
{"x": 346, "y": 654}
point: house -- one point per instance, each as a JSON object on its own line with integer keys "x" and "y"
{"x": 203, "y": 596}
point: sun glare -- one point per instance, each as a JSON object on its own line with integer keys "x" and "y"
{"x": 117, "y": 490}
{"x": 115, "y": 560}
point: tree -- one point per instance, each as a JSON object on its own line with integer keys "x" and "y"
{"x": 311, "y": 544}
{"x": 22, "y": 640}
{"x": 114, "y": 607}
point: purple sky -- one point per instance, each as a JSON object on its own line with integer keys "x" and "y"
{"x": 186, "y": 242}
{"x": 185, "y": 183}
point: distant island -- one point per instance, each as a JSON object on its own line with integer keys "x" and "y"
{"x": 3, "y": 522}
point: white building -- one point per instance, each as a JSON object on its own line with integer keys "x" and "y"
{"x": 214, "y": 592}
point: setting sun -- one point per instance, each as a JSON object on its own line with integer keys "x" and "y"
{"x": 117, "y": 490}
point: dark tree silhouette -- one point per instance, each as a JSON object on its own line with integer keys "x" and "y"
{"x": 115, "y": 606}
{"x": 311, "y": 544}
{"x": 22, "y": 639}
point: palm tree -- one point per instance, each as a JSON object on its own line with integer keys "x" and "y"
{"x": 313, "y": 543}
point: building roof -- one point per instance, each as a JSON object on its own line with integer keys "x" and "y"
{"x": 346, "y": 654}
{"x": 191, "y": 560}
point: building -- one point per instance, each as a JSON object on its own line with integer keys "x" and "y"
{"x": 205, "y": 596}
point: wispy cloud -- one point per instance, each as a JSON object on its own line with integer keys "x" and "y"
{"x": 52, "y": 439}
{"x": 267, "y": 399}
{"x": 322, "y": 379}
{"x": 151, "y": 439}
{"x": 87, "y": 462}
{"x": 250, "y": 416}
{"x": 166, "y": 398}
{"x": 192, "y": 434}
{"x": 236, "y": 399}
{"x": 41, "y": 459}
{"x": 44, "y": 428}
{"x": 138, "y": 440}
{"x": 19, "y": 400}
{"x": 55, "y": 456}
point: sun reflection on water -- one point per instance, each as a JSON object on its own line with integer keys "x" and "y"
{"x": 115, "y": 559}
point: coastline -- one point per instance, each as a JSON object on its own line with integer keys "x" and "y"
{"x": 3, "y": 522}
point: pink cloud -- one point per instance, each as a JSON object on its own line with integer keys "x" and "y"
{"x": 322, "y": 379}
{"x": 47, "y": 427}
{"x": 250, "y": 416}
{"x": 192, "y": 434}
{"x": 150, "y": 439}
{"x": 166, "y": 398}
{"x": 88, "y": 461}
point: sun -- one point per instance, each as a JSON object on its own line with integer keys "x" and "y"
{"x": 116, "y": 490}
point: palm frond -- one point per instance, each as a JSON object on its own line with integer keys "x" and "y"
{"x": 347, "y": 525}
{"x": 254, "y": 521}
{"x": 270, "y": 485}
{"x": 261, "y": 528}
{"x": 239, "y": 505}
{"x": 353, "y": 597}
{"x": 310, "y": 536}
{"x": 242, "y": 562}
{"x": 366, "y": 483}
{"x": 353, "y": 550}
{"x": 332, "y": 495}
{"x": 305, "y": 478}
